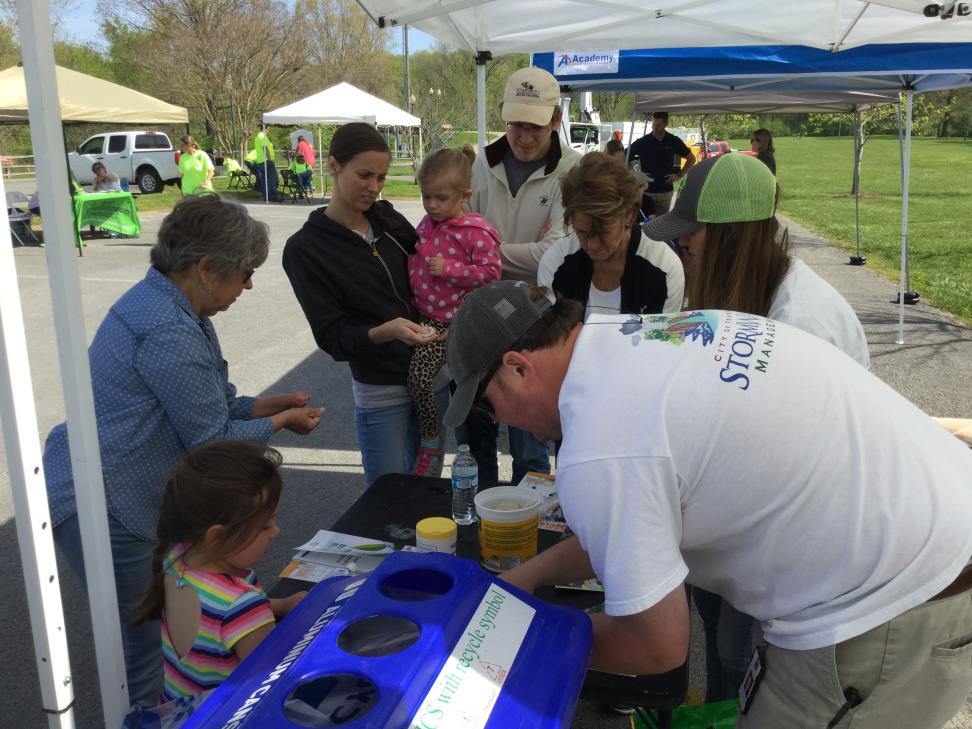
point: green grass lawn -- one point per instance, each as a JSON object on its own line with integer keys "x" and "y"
{"x": 815, "y": 177}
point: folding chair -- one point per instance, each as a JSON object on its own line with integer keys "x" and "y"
{"x": 240, "y": 179}
{"x": 18, "y": 215}
{"x": 290, "y": 185}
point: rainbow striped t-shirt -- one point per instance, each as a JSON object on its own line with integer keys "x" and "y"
{"x": 231, "y": 608}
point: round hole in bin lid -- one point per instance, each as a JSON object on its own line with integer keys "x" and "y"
{"x": 332, "y": 700}
{"x": 378, "y": 635}
{"x": 415, "y": 585}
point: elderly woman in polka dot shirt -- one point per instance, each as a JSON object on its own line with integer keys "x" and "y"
{"x": 161, "y": 387}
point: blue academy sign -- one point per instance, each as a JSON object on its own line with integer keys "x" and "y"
{"x": 915, "y": 66}
{"x": 569, "y": 63}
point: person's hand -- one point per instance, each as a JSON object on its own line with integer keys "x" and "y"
{"x": 402, "y": 330}
{"x": 672, "y": 178}
{"x": 435, "y": 264}
{"x": 303, "y": 420}
{"x": 282, "y": 606}
{"x": 296, "y": 399}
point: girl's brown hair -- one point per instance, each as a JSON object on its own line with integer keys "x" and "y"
{"x": 229, "y": 483}
{"x": 189, "y": 140}
{"x": 447, "y": 163}
{"x": 741, "y": 267}
{"x": 601, "y": 187}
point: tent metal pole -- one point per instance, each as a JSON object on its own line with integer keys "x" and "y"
{"x": 32, "y": 515}
{"x": 72, "y": 348}
{"x": 320, "y": 158}
{"x": 857, "y": 260}
{"x": 481, "y": 58}
{"x": 266, "y": 182}
{"x": 906, "y": 170}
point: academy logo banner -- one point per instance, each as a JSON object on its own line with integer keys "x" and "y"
{"x": 578, "y": 63}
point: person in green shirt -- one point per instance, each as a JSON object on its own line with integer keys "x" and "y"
{"x": 266, "y": 180}
{"x": 304, "y": 173}
{"x": 196, "y": 168}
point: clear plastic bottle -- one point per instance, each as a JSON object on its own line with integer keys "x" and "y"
{"x": 465, "y": 482}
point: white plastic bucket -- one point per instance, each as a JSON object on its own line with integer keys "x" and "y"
{"x": 509, "y": 518}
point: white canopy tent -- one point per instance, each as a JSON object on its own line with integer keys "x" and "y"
{"x": 481, "y": 26}
{"x": 342, "y": 104}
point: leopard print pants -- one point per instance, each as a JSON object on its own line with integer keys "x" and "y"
{"x": 427, "y": 360}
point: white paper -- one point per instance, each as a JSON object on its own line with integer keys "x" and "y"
{"x": 337, "y": 543}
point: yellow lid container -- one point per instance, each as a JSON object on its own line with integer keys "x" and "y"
{"x": 436, "y": 534}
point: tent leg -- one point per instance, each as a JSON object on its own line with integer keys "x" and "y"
{"x": 857, "y": 260}
{"x": 903, "y": 293}
{"x": 52, "y": 178}
{"x": 481, "y": 58}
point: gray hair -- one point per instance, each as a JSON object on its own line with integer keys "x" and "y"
{"x": 205, "y": 226}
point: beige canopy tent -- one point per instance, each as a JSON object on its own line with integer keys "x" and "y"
{"x": 85, "y": 98}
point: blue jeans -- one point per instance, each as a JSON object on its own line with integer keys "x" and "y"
{"x": 729, "y": 644}
{"x": 529, "y": 454}
{"x": 388, "y": 437}
{"x": 132, "y": 558}
{"x": 306, "y": 180}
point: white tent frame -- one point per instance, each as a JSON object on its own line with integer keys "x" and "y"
{"x": 844, "y": 31}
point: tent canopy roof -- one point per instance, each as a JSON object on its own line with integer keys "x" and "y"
{"x": 728, "y": 102}
{"x": 504, "y": 26}
{"x": 85, "y": 98}
{"x": 882, "y": 69}
{"x": 341, "y": 104}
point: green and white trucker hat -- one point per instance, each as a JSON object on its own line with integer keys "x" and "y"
{"x": 730, "y": 188}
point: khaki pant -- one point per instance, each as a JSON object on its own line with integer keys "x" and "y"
{"x": 662, "y": 200}
{"x": 913, "y": 672}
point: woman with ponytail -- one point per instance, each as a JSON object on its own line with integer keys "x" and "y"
{"x": 348, "y": 267}
{"x": 217, "y": 521}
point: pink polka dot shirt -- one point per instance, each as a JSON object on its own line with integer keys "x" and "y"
{"x": 470, "y": 247}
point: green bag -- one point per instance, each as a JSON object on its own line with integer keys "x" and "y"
{"x": 719, "y": 715}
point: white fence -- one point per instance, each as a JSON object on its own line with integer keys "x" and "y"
{"x": 13, "y": 167}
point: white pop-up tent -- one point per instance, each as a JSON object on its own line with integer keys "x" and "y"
{"x": 341, "y": 104}
{"x": 481, "y": 26}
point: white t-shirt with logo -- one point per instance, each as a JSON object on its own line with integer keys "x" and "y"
{"x": 759, "y": 463}
{"x": 808, "y": 302}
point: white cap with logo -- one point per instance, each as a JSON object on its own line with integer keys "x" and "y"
{"x": 531, "y": 96}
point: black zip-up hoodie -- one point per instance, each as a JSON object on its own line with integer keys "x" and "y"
{"x": 346, "y": 286}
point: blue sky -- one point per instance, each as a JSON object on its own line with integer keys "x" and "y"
{"x": 84, "y": 25}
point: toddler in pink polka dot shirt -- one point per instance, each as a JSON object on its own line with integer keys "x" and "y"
{"x": 456, "y": 253}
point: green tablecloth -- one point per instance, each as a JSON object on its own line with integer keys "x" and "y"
{"x": 113, "y": 211}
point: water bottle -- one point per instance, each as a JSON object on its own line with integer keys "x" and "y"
{"x": 465, "y": 482}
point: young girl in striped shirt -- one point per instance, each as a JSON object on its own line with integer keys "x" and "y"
{"x": 218, "y": 519}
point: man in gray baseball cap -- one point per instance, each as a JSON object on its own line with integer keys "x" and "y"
{"x": 489, "y": 323}
{"x": 760, "y": 462}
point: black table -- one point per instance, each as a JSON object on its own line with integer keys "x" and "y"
{"x": 389, "y": 510}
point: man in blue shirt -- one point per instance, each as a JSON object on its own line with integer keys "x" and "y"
{"x": 660, "y": 155}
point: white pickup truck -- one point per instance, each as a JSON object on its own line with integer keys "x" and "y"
{"x": 146, "y": 159}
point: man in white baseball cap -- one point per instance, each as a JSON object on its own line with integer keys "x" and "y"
{"x": 516, "y": 187}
